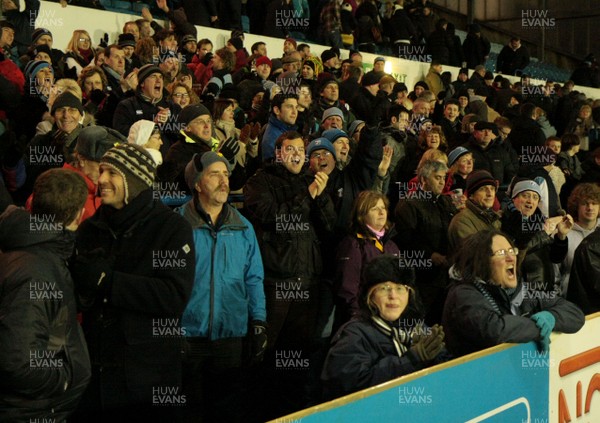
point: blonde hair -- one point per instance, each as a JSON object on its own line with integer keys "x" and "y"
{"x": 74, "y": 42}
{"x": 433, "y": 154}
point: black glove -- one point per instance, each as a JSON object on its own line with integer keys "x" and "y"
{"x": 96, "y": 96}
{"x": 258, "y": 341}
{"x": 427, "y": 346}
{"x": 229, "y": 148}
{"x": 104, "y": 41}
{"x": 206, "y": 59}
{"x": 92, "y": 274}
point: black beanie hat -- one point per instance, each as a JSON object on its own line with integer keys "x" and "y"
{"x": 237, "y": 43}
{"x": 191, "y": 112}
{"x": 67, "y": 99}
{"x": 145, "y": 71}
{"x": 385, "y": 268}
{"x": 94, "y": 141}
{"x": 38, "y": 33}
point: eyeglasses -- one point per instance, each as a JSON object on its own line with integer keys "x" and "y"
{"x": 83, "y": 40}
{"x": 319, "y": 155}
{"x": 397, "y": 288}
{"x": 503, "y": 252}
{"x": 180, "y": 95}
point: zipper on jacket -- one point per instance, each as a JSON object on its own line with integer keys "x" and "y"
{"x": 212, "y": 282}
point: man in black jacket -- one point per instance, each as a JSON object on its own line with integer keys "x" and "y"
{"x": 288, "y": 208}
{"x": 527, "y": 136}
{"x": 584, "y": 289}
{"x": 23, "y": 22}
{"x": 476, "y": 47}
{"x": 371, "y": 104}
{"x": 43, "y": 356}
{"x": 133, "y": 273}
{"x": 149, "y": 103}
{"x": 118, "y": 85}
{"x": 489, "y": 154}
{"x": 513, "y": 58}
{"x": 423, "y": 219}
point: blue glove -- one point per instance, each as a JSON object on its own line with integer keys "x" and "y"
{"x": 545, "y": 321}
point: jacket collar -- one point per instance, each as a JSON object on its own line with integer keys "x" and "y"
{"x": 198, "y": 219}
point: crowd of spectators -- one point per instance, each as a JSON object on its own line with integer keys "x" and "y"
{"x": 367, "y": 219}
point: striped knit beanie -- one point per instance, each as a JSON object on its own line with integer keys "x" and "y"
{"x": 134, "y": 164}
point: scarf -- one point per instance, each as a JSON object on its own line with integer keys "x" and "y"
{"x": 87, "y": 55}
{"x": 378, "y": 234}
{"x": 150, "y": 100}
{"x": 378, "y": 243}
{"x": 400, "y": 337}
{"x": 227, "y": 127}
{"x": 482, "y": 287}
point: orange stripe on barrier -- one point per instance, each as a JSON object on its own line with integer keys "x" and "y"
{"x": 579, "y": 361}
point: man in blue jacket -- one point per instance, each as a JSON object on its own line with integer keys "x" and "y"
{"x": 283, "y": 118}
{"x": 228, "y": 299}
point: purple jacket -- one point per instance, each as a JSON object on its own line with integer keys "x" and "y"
{"x": 353, "y": 253}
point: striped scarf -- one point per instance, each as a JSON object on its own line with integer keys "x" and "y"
{"x": 481, "y": 287}
{"x": 378, "y": 243}
{"x": 400, "y": 338}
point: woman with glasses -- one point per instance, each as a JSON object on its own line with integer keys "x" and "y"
{"x": 542, "y": 240}
{"x": 487, "y": 303}
{"x": 182, "y": 95}
{"x": 79, "y": 54}
{"x": 387, "y": 339}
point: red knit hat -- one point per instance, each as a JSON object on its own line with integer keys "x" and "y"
{"x": 264, "y": 60}
{"x": 291, "y": 40}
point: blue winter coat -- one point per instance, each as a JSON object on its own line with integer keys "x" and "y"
{"x": 228, "y": 289}
{"x": 274, "y": 129}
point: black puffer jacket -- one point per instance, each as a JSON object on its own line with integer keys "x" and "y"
{"x": 584, "y": 282}
{"x": 152, "y": 249}
{"x": 526, "y": 133}
{"x": 495, "y": 159}
{"x": 359, "y": 175}
{"x": 362, "y": 356}
{"x": 286, "y": 220}
{"x": 44, "y": 364}
{"x": 539, "y": 250}
{"x": 422, "y": 224}
{"x": 135, "y": 108}
{"x": 471, "y": 322}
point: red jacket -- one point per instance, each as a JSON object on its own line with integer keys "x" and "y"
{"x": 92, "y": 202}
